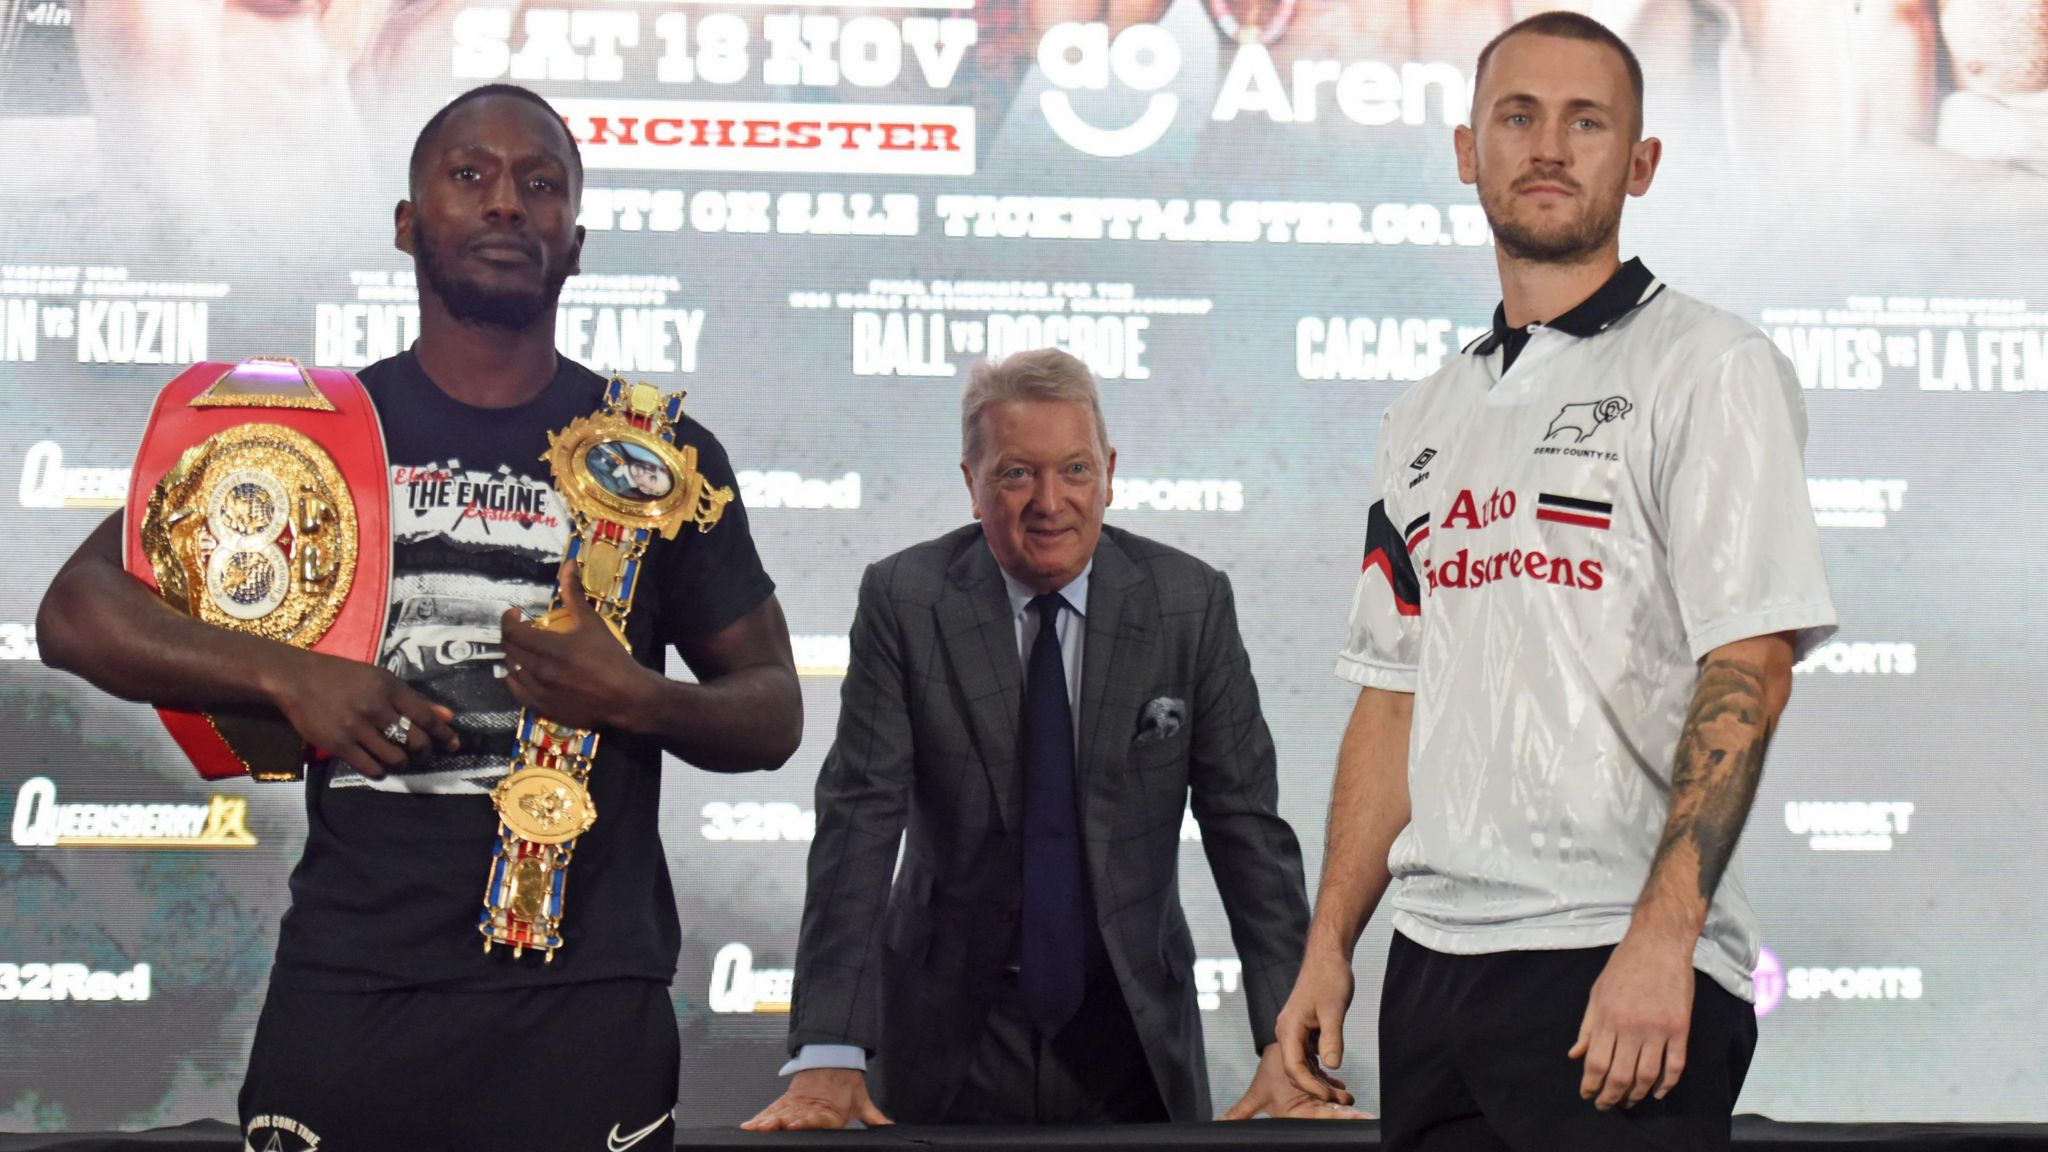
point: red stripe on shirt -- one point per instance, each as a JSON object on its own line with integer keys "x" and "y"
{"x": 1574, "y": 518}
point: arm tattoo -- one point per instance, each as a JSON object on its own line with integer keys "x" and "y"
{"x": 1720, "y": 759}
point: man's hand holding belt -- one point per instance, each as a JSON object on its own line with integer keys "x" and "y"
{"x": 358, "y": 713}
{"x": 573, "y": 669}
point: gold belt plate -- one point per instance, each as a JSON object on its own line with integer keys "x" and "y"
{"x": 544, "y": 805}
{"x": 254, "y": 530}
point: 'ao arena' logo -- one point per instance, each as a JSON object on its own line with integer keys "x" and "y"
{"x": 1146, "y": 59}
{"x": 1143, "y": 57}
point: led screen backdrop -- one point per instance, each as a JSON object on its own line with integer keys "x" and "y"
{"x": 1245, "y": 216}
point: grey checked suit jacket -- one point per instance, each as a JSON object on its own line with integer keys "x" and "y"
{"x": 929, "y": 735}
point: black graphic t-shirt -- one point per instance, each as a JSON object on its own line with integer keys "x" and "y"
{"x": 392, "y": 879}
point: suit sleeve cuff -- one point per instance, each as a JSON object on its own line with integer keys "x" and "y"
{"x": 826, "y": 1056}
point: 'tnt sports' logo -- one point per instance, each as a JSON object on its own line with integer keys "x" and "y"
{"x": 1145, "y": 58}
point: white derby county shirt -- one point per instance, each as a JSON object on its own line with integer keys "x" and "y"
{"x": 1565, "y": 519}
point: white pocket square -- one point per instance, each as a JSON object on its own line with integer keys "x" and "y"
{"x": 1160, "y": 719}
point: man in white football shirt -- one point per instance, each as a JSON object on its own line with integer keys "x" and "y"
{"x": 1590, "y": 566}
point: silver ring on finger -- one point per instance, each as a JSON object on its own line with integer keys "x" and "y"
{"x": 398, "y": 730}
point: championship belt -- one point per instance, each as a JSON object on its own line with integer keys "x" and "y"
{"x": 260, "y": 503}
{"x": 624, "y": 480}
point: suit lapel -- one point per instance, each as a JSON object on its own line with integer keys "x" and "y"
{"x": 1123, "y": 619}
{"x": 980, "y": 640}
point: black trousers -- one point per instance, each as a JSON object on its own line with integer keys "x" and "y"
{"x": 1093, "y": 1072}
{"x": 1472, "y": 1058}
{"x": 576, "y": 1066}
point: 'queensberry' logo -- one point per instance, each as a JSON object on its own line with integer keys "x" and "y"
{"x": 739, "y": 987}
{"x": 48, "y": 482}
{"x": 41, "y": 822}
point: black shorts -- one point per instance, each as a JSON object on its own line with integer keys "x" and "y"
{"x": 1472, "y": 1058}
{"x": 565, "y": 1067}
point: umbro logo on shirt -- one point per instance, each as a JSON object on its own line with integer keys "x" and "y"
{"x": 1419, "y": 463}
{"x": 1422, "y": 461}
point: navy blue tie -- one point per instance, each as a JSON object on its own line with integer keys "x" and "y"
{"x": 1053, "y": 953}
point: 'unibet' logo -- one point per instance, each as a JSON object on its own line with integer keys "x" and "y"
{"x": 1143, "y": 57}
{"x": 1849, "y": 825}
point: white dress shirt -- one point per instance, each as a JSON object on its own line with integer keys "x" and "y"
{"x": 1072, "y": 633}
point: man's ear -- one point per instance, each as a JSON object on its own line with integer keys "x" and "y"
{"x": 1465, "y": 142}
{"x": 1642, "y": 164}
{"x": 401, "y": 220}
{"x": 973, "y": 501}
{"x": 576, "y": 254}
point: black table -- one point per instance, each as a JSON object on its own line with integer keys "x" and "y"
{"x": 1751, "y": 1133}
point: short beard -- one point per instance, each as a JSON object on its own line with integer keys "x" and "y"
{"x": 470, "y": 302}
{"x": 1572, "y": 245}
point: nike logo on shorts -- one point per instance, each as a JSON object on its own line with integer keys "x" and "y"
{"x": 618, "y": 1143}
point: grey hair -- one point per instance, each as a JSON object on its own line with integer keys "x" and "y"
{"x": 1040, "y": 374}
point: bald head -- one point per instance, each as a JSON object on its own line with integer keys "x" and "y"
{"x": 428, "y": 143}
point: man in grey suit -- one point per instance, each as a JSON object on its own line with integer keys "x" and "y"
{"x": 1038, "y": 698}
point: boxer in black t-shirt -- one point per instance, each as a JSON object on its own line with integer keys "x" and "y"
{"x": 387, "y": 1025}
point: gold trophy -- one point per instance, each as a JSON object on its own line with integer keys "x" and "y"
{"x": 624, "y": 480}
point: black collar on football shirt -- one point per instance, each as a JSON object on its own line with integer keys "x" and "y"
{"x": 1631, "y": 287}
